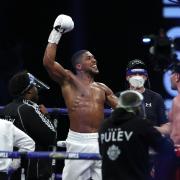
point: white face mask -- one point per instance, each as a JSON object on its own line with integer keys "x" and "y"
{"x": 137, "y": 81}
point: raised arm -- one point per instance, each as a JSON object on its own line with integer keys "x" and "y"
{"x": 62, "y": 24}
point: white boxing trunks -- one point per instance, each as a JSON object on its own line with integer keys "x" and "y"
{"x": 82, "y": 169}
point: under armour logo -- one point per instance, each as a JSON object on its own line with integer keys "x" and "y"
{"x": 148, "y": 104}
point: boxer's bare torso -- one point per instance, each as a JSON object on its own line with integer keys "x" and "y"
{"x": 175, "y": 120}
{"x": 85, "y": 103}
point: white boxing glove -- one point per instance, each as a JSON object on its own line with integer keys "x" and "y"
{"x": 62, "y": 24}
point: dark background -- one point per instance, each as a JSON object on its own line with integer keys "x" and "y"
{"x": 111, "y": 30}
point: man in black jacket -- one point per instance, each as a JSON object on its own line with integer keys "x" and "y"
{"x": 137, "y": 79}
{"x": 31, "y": 118}
{"x": 125, "y": 138}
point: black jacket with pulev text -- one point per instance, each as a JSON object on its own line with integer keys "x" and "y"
{"x": 124, "y": 141}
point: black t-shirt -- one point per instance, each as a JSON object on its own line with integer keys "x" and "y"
{"x": 124, "y": 141}
{"x": 154, "y": 107}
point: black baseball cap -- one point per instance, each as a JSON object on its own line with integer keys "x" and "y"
{"x": 135, "y": 64}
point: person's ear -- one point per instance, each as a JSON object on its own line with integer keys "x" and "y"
{"x": 78, "y": 66}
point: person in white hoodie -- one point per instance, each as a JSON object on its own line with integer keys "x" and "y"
{"x": 11, "y": 136}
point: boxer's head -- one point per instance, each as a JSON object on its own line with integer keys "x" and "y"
{"x": 175, "y": 75}
{"x": 175, "y": 67}
{"x": 84, "y": 61}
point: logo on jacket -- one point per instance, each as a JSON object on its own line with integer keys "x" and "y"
{"x": 113, "y": 152}
{"x": 148, "y": 104}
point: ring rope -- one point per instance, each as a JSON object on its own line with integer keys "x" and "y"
{"x": 50, "y": 155}
{"x": 64, "y": 111}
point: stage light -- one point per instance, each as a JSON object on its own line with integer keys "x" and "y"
{"x": 146, "y": 40}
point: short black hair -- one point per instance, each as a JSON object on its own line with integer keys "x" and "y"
{"x": 136, "y": 63}
{"x": 77, "y": 57}
{"x": 18, "y": 83}
{"x": 175, "y": 67}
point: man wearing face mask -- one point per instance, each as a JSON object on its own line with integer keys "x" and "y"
{"x": 137, "y": 78}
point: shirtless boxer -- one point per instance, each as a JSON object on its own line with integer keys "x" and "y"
{"x": 84, "y": 99}
{"x": 173, "y": 126}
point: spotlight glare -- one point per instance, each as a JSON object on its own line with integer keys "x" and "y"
{"x": 146, "y": 40}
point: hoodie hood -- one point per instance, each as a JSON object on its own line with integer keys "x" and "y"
{"x": 120, "y": 115}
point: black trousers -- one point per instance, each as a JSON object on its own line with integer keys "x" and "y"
{"x": 3, "y": 176}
